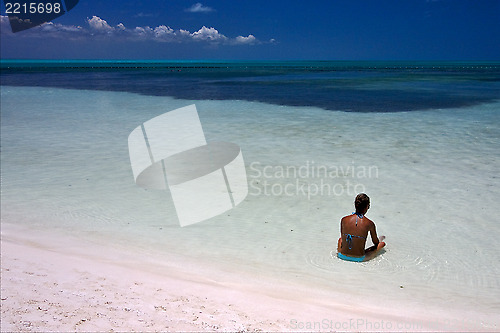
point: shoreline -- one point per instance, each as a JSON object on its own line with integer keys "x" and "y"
{"x": 69, "y": 284}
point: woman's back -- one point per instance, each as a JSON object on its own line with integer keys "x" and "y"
{"x": 354, "y": 229}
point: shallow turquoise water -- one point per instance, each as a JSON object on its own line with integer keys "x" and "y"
{"x": 433, "y": 183}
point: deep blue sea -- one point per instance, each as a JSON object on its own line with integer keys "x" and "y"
{"x": 333, "y": 85}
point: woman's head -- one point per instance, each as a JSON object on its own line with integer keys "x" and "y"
{"x": 362, "y": 203}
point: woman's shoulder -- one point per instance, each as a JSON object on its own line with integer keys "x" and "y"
{"x": 368, "y": 221}
{"x": 345, "y": 218}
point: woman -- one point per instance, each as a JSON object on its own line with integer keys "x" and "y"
{"x": 354, "y": 230}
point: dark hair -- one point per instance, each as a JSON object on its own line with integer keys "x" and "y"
{"x": 362, "y": 202}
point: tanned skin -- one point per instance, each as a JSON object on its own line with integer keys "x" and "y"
{"x": 364, "y": 225}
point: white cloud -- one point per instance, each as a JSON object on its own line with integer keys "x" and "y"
{"x": 163, "y": 31}
{"x": 100, "y": 28}
{"x": 184, "y": 33}
{"x": 199, "y": 8}
{"x": 49, "y": 29}
{"x": 250, "y": 39}
{"x": 143, "y": 31}
{"x": 208, "y": 34}
{"x": 141, "y": 14}
{"x": 53, "y": 27}
{"x": 4, "y": 25}
{"x": 98, "y": 24}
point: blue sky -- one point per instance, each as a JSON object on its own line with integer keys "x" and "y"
{"x": 265, "y": 30}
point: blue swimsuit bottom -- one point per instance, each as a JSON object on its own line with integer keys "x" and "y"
{"x": 348, "y": 258}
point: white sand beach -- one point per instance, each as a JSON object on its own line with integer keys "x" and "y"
{"x": 56, "y": 284}
{"x": 49, "y": 284}
{"x": 53, "y": 287}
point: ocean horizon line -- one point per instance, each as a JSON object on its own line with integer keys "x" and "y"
{"x": 329, "y": 64}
